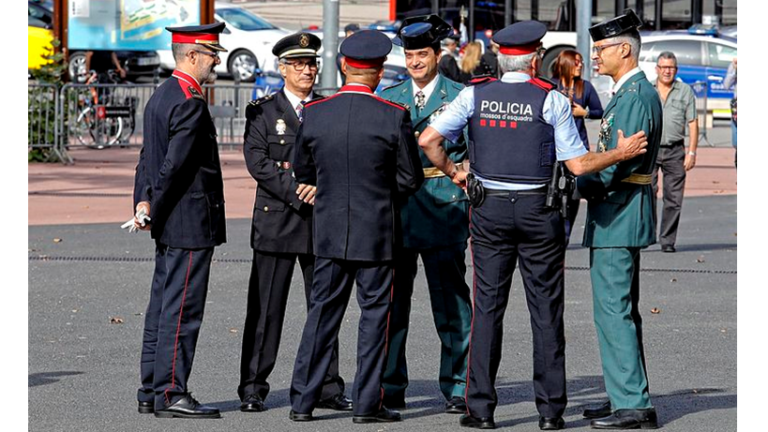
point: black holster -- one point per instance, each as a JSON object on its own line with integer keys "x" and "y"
{"x": 475, "y": 191}
{"x": 560, "y": 189}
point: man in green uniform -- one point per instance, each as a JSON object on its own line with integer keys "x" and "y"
{"x": 435, "y": 226}
{"x": 620, "y": 222}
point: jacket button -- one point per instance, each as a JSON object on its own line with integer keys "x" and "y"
{"x": 282, "y": 142}
{"x": 266, "y": 208}
{"x": 453, "y": 197}
{"x": 416, "y": 134}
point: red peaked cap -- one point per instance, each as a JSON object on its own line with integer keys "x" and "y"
{"x": 206, "y": 35}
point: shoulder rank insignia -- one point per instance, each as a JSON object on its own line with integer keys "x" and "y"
{"x": 195, "y": 94}
{"x": 261, "y": 100}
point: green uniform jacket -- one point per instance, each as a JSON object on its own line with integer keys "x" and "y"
{"x": 436, "y": 215}
{"x": 620, "y": 214}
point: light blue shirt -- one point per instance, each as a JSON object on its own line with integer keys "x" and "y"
{"x": 557, "y": 112}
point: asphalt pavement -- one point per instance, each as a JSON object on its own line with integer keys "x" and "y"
{"x": 89, "y": 286}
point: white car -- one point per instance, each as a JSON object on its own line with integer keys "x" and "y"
{"x": 249, "y": 40}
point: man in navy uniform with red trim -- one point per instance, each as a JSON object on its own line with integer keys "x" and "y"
{"x": 281, "y": 233}
{"x": 359, "y": 150}
{"x": 179, "y": 186}
{"x": 519, "y": 129}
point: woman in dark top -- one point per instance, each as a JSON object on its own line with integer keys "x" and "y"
{"x": 566, "y": 72}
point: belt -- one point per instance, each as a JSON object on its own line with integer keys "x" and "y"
{"x": 638, "y": 179}
{"x": 493, "y": 192}
{"x": 673, "y": 143}
{"x": 433, "y": 172}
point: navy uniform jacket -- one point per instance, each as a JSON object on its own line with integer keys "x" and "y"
{"x": 179, "y": 172}
{"x": 438, "y": 214}
{"x": 360, "y": 152}
{"x": 282, "y": 223}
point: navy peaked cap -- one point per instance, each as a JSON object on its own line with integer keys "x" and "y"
{"x": 368, "y": 46}
{"x": 422, "y": 31}
{"x": 520, "y": 38}
{"x": 297, "y": 45}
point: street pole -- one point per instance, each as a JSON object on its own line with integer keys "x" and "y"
{"x": 583, "y": 22}
{"x": 330, "y": 43}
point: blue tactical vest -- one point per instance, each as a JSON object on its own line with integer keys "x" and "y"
{"x": 509, "y": 139}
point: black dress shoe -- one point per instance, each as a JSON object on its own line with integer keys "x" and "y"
{"x": 478, "y": 423}
{"x": 146, "y": 407}
{"x": 297, "y": 417}
{"x": 457, "y": 405}
{"x": 188, "y": 407}
{"x": 628, "y": 419}
{"x": 604, "y": 410}
{"x": 553, "y": 423}
{"x": 252, "y": 404}
{"x": 668, "y": 249}
{"x": 385, "y": 415}
{"x": 394, "y": 402}
{"x": 336, "y": 403}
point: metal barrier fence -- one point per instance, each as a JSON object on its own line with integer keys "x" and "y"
{"x": 42, "y": 117}
{"x": 702, "y": 111}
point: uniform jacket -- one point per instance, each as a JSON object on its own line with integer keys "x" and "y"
{"x": 179, "y": 172}
{"x": 281, "y": 221}
{"x": 620, "y": 214}
{"x": 360, "y": 152}
{"x": 437, "y": 214}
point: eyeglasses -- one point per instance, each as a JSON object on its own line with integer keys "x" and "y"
{"x": 667, "y": 68}
{"x": 208, "y": 53}
{"x": 598, "y": 50}
{"x": 299, "y": 66}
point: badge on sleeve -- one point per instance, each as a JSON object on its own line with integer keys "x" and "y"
{"x": 280, "y": 127}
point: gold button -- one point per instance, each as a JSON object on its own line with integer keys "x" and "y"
{"x": 266, "y": 208}
{"x": 282, "y": 142}
{"x": 416, "y": 134}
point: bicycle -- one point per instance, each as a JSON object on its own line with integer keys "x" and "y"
{"x": 103, "y": 121}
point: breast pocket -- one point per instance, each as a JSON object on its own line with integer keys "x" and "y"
{"x": 266, "y": 203}
{"x": 281, "y": 147}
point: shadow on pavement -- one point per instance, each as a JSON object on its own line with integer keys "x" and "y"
{"x": 44, "y": 378}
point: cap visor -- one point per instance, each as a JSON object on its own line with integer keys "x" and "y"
{"x": 300, "y": 52}
{"x": 215, "y": 47}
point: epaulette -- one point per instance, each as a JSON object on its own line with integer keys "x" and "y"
{"x": 262, "y": 99}
{"x": 543, "y": 83}
{"x": 393, "y": 86}
{"x": 194, "y": 93}
{"x": 481, "y": 80}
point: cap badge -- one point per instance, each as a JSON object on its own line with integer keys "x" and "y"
{"x": 280, "y": 127}
{"x": 304, "y": 41}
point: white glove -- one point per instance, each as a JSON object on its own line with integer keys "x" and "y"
{"x": 142, "y": 217}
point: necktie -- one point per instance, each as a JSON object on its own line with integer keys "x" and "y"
{"x": 420, "y": 100}
{"x": 300, "y": 111}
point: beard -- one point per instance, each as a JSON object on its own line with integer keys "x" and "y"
{"x": 211, "y": 77}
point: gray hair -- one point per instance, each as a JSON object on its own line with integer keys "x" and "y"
{"x": 669, "y": 55}
{"x": 514, "y": 63}
{"x": 631, "y": 37}
{"x": 180, "y": 51}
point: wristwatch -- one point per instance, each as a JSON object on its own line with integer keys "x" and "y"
{"x": 691, "y": 153}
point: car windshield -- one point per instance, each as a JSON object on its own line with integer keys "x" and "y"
{"x": 241, "y": 19}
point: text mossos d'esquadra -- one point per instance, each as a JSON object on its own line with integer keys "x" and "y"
{"x": 512, "y": 111}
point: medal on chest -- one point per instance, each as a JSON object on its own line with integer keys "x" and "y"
{"x": 606, "y": 127}
{"x": 280, "y": 127}
{"x": 437, "y": 113}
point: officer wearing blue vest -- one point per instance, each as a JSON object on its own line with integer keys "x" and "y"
{"x": 435, "y": 225}
{"x": 519, "y": 129}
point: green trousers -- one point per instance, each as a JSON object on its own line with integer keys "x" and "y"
{"x": 615, "y": 276}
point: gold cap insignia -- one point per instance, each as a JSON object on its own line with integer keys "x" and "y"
{"x": 304, "y": 41}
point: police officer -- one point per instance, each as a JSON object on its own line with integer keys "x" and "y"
{"x": 448, "y": 65}
{"x": 620, "y": 222}
{"x": 435, "y": 225}
{"x": 518, "y": 129}
{"x": 179, "y": 185}
{"x": 281, "y": 232}
{"x": 360, "y": 152}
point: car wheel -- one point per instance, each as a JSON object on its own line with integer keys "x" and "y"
{"x": 77, "y": 72}
{"x": 242, "y": 64}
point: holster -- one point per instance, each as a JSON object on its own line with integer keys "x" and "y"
{"x": 475, "y": 191}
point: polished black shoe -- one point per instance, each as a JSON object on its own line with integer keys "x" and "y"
{"x": 336, "y": 403}
{"x": 668, "y": 249}
{"x": 394, "y": 402}
{"x": 478, "y": 423}
{"x": 385, "y": 415}
{"x": 146, "y": 407}
{"x": 252, "y": 404}
{"x": 188, "y": 407}
{"x": 554, "y": 423}
{"x": 293, "y": 415}
{"x": 628, "y": 419}
{"x": 457, "y": 405}
{"x": 604, "y": 410}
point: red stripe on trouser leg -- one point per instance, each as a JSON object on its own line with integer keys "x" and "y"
{"x": 386, "y": 334}
{"x": 472, "y": 323}
{"x": 178, "y": 330}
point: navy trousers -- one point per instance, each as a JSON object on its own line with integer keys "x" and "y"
{"x": 331, "y": 290}
{"x": 172, "y": 322}
{"x": 268, "y": 290}
{"x": 505, "y": 230}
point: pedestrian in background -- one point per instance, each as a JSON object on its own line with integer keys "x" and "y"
{"x": 679, "y": 104}
{"x": 471, "y": 63}
{"x": 730, "y": 82}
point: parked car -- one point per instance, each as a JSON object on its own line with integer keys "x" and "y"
{"x": 135, "y": 63}
{"x": 249, "y": 40}
{"x": 39, "y": 35}
{"x": 703, "y": 56}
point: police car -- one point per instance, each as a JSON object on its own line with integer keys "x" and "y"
{"x": 703, "y": 56}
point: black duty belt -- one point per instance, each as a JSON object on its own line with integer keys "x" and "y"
{"x": 496, "y": 192}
